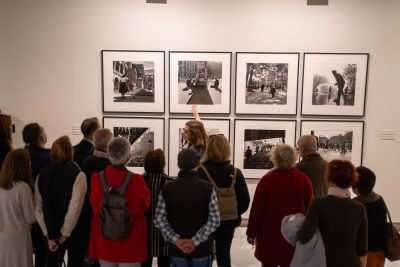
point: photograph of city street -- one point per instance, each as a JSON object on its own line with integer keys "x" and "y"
{"x": 258, "y": 145}
{"x": 334, "y": 144}
{"x": 266, "y": 83}
{"x": 200, "y": 82}
{"x": 141, "y": 140}
{"x": 334, "y": 84}
{"x": 133, "y": 81}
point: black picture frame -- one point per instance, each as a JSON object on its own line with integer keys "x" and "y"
{"x": 339, "y": 148}
{"x": 154, "y": 124}
{"x": 286, "y": 82}
{"x": 342, "y": 94}
{"x": 145, "y": 92}
{"x": 212, "y": 126}
{"x": 240, "y": 127}
{"x": 181, "y": 99}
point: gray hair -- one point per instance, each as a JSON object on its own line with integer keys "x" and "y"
{"x": 309, "y": 142}
{"x": 101, "y": 138}
{"x": 119, "y": 150}
{"x": 283, "y": 156}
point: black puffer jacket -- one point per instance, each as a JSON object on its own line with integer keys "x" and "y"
{"x": 221, "y": 172}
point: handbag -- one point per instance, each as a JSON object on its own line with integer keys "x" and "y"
{"x": 392, "y": 249}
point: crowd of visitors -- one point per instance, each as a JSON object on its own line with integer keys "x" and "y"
{"x": 82, "y": 200}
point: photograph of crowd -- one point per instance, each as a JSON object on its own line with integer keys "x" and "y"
{"x": 334, "y": 84}
{"x": 141, "y": 140}
{"x": 199, "y": 82}
{"x": 133, "y": 81}
{"x": 266, "y": 83}
{"x": 258, "y": 145}
{"x": 334, "y": 144}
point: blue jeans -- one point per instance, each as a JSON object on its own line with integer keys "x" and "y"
{"x": 191, "y": 262}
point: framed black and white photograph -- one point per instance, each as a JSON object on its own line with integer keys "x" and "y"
{"x": 143, "y": 134}
{"x": 337, "y": 139}
{"x": 254, "y": 140}
{"x": 177, "y": 142}
{"x": 133, "y": 81}
{"x": 251, "y": 186}
{"x": 266, "y": 83}
{"x": 334, "y": 84}
{"x": 200, "y": 78}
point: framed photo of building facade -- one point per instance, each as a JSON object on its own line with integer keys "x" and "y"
{"x": 176, "y": 141}
{"x": 133, "y": 81}
{"x": 254, "y": 140}
{"x": 200, "y": 78}
{"x": 266, "y": 83}
{"x": 337, "y": 139}
{"x": 143, "y": 133}
{"x": 334, "y": 84}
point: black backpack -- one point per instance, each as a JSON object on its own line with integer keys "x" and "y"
{"x": 115, "y": 219}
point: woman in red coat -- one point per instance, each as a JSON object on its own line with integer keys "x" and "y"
{"x": 282, "y": 191}
{"x": 133, "y": 250}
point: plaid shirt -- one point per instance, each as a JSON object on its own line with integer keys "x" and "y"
{"x": 202, "y": 235}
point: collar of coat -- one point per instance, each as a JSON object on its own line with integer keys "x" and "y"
{"x": 339, "y": 192}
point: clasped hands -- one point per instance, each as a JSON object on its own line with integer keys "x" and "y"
{"x": 55, "y": 243}
{"x": 186, "y": 245}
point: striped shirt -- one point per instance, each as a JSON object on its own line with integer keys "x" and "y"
{"x": 156, "y": 245}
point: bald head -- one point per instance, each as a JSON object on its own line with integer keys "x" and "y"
{"x": 307, "y": 144}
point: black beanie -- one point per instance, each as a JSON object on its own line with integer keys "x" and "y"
{"x": 187, "y": 159}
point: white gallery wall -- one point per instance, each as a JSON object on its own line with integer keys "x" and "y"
{"x": 50, "y": 55}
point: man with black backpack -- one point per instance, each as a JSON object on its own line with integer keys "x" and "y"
{"x": 119, "y": 200}
{"x": 187, "y": 214}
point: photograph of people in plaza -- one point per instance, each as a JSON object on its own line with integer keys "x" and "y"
{"x": 141, "y": 140}
{"x": 334, "y": 144}
{"x": 133, "y": 81}
{"x": 258, "y": 145}
{"x": 334, "y": 84}
{"x": 199, "y": 82}
{"x": 266, "y": 83}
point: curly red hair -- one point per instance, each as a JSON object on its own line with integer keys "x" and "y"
{"x": 341, "y": 173}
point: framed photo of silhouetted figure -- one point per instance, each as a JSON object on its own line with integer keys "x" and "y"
{"x": 266, "y": 83}
{"x": 143, "y": 133}
{"x": 337, "y": 139}
{"x": 200, "y": 78}
{"x": 133, "y": 81}
{"x": 254, "y": 141}
{"x": 334, "y": 84}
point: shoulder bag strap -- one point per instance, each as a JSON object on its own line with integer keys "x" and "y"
{"x": 103, "y": 182}
{"x": 234, "y": 178}
{"x": 125, "y": 183}
{"x": 208, "y": 176}
{"x": 390, "y": 220}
